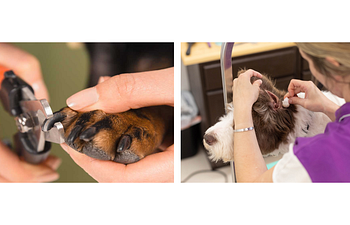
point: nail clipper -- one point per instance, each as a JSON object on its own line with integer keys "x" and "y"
{"x": 33, "y": 140}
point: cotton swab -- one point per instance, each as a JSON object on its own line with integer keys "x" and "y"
{"x": 285, "y": 103}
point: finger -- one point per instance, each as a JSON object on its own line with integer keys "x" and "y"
{"x": 257, "y": 83}
{"x": 36, "y": 176}
{"x": 127, "y": 91}
{"x": 13, "y": 169}
{"x": 234, "y": 84}
{"x": 3, "y": 180}
{"x": 101, "y": 171}
{"x": 286, "y": 95}
{"x": 48, "y": 177}
{"x": 25, "y": 66}
{"x": 53, "y": 162}
{"x": 233, "y": 89}
{"x": 157, "y": 167}
{"x": 9, "y": 162}
{"x": 250, "y": 73}
{"x": 35, "y": 173}
{"x": 296, "y": 86}
{"x": 297, "y": 101}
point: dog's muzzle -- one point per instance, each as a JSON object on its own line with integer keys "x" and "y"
{"x": 209, "y": 139}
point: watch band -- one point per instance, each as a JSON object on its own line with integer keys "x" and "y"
{"x": 243, "y": 130}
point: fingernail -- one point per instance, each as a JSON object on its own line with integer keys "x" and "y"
{"x": 36, "y": 86}
{"x": 56, "y": 163}
{"x": 101, "y": 79}
{"x": 83, "y": 98}
{"x": 290, "y": 101}
{"x": 40, "y": 90}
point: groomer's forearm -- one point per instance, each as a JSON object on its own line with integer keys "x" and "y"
{"x": 249, "y": 163}
{"x": 330, "y": 110}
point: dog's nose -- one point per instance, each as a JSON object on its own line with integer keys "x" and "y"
{"x": 209, "y": 139}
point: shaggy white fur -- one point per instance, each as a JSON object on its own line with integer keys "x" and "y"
{"x": 223, "y": 130}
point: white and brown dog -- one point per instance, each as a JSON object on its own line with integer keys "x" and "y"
{"x": 275, "y": 126}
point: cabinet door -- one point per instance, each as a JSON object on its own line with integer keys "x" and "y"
{"x": 216, "y": 106}
{"x": 278, "y": 63}
{"x": 212, "y": 76}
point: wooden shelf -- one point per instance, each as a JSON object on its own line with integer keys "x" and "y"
{"x": 201, "y": 52}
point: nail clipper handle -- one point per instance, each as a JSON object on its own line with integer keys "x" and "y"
{"x": 11, "y": 92}
{"x": 11, "y": 95}
{"x": 25, "y": 150}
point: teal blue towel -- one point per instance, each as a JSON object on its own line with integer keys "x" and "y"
{"x": 270, "y": 165}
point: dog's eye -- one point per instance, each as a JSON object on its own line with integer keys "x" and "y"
{"x": 124, "y": 143}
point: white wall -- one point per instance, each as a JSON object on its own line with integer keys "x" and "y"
{"x": 185, "y": 85}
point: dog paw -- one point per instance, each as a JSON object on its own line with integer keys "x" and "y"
{"x": 123, "y": 137}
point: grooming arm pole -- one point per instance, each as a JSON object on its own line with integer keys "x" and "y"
{"x": 227, "y": 82}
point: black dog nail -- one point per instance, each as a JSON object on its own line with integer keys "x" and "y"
{"x": 88, "y": 134}
{"x": 74, "y": 134}
{"x": 124, "y": 143}
{"x": 49, "y": 123}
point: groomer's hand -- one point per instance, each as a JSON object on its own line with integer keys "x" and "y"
{"x": 314, "y": 99}
{"x": 244, "y": 95}
{"x": 121, "y": 93}
{"x": 25, "y": 66}
{"x": 244, "y": 92}
{"x": 13, "y": 169}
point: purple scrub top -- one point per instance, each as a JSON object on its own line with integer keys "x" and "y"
{"x": 326, "y": 157}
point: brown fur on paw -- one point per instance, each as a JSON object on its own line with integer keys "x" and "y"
{"x": 123, "y": 137}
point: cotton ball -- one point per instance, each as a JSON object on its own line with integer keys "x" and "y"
{"x": 285, "y": 103}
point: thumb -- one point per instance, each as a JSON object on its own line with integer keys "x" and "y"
{"x": 127, "y": 91}
{"x": 257, "y": 83}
